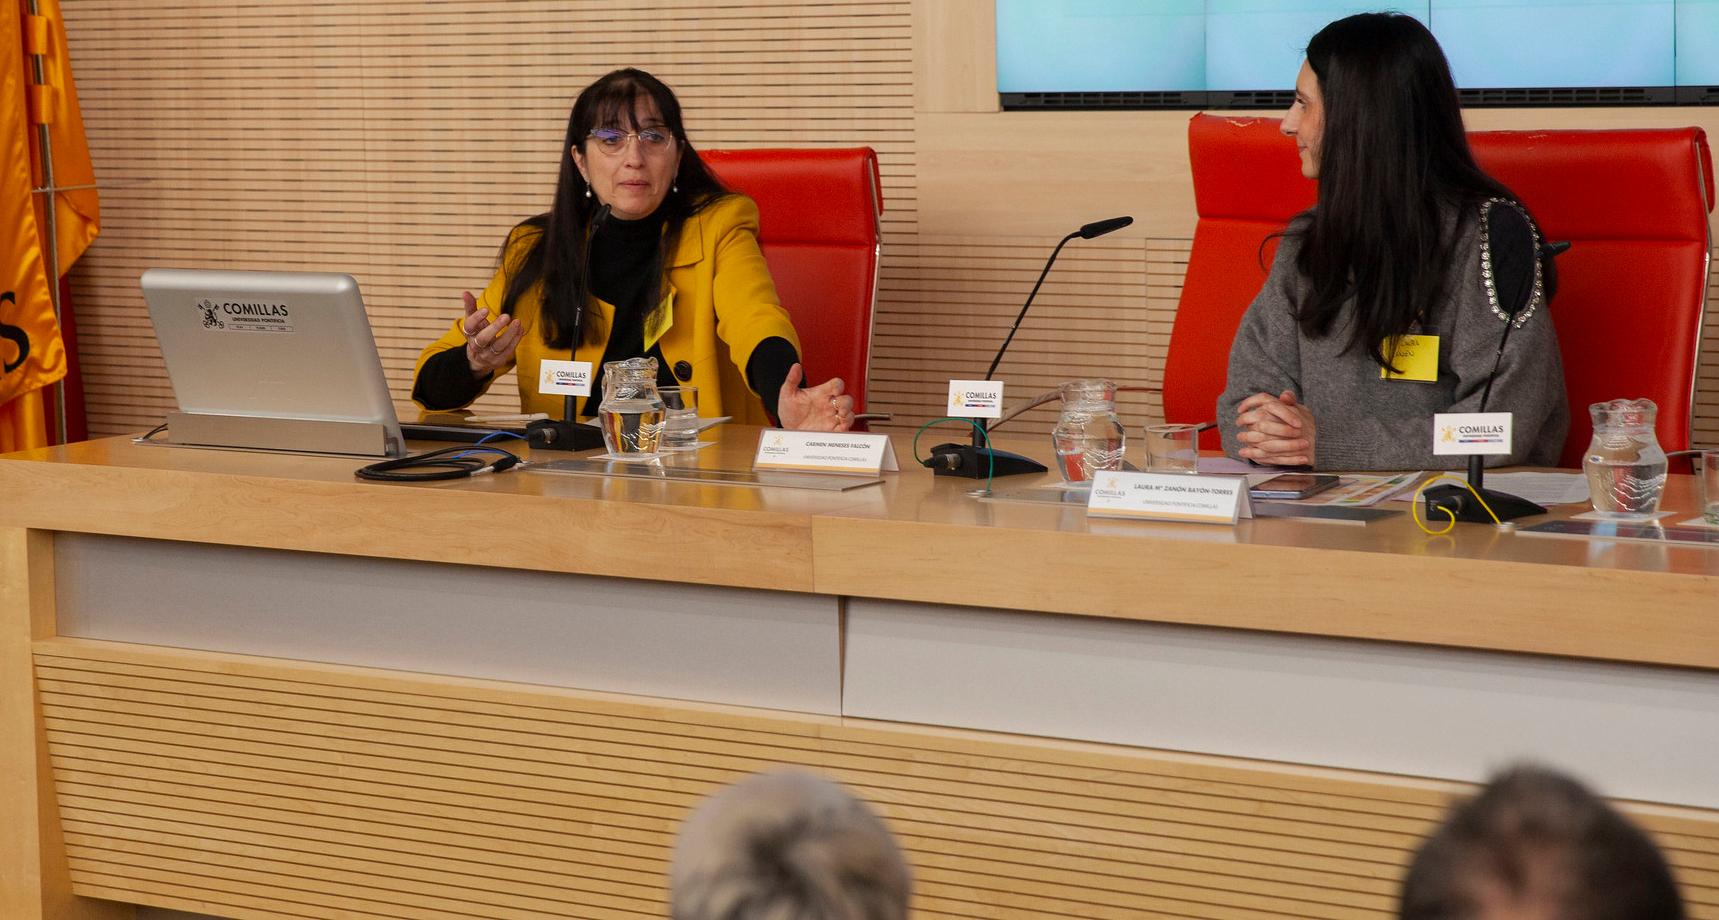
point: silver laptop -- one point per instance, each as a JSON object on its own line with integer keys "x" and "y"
{"x": 271, "y": 361}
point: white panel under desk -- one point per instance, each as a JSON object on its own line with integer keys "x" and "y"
{"x": 1635, "y": 731}
{"x": 728, "y": 645}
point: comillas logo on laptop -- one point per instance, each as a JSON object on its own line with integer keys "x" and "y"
{"x": 211, "y": 318}
{"x": 245, "y": 316}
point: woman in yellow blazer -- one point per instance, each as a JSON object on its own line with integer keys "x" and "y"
{"x": 643, "y": 253}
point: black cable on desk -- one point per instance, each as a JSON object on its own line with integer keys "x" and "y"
{"x": 445, "y": 463}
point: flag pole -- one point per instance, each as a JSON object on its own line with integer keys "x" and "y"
{"x": 45, "y": 145}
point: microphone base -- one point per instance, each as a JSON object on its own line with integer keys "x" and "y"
{"x": 1461, "y": 504}
{"x": 549, "y": 434}
{"x": 969, "y": 462}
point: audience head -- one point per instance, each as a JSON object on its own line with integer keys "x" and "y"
{"x": 1537, "y": 845}
{"x": 786, "y": 846}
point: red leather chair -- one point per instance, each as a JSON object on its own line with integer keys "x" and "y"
{"x": 818, "y": 226}
{"x": 1247, "y": 185}
{"x": 1632, "y": 203}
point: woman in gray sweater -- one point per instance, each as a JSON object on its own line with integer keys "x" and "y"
{"x": 1388, "y": 300}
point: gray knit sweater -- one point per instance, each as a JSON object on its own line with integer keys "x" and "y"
{"x": 1363, "y": 422}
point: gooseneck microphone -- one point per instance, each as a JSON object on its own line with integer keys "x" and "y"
{"x": 598, "y": 219}
{"x": 975, "y": 461}
{"x": 569, "y": 403}
{"x": 1101, "y": 227}
{"x": 1095, "y": 229}
{"x": 1459, "y": 502}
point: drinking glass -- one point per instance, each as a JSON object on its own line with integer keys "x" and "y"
{"x": 680, "y": 422}
{"x": 1707, "y": 477}
{"x": 1172, "y": 448}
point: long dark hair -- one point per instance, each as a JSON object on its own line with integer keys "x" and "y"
{"x": 555, "y": 257}
{"x": 1394, "y": 164}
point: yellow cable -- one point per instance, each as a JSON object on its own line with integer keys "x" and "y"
{"x": 1414, "y": 507}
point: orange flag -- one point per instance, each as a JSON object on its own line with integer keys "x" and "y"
{"x": 32, "y": 354}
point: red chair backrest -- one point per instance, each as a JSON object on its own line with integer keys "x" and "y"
{"x": 1247, "y": 185}
{"x": 818, "y": 226}
{"x": 1632, "y": 203}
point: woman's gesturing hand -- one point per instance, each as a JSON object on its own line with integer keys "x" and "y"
{"x": 489, "y": 345}
{"x": 1275, "y": 430}
{"x": 819, "y": 408}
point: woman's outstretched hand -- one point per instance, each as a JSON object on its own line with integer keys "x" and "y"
{"x": 489, "y": 345}
{"x": 820, "y": 408}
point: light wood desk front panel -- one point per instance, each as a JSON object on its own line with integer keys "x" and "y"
{"x": 252, "y": 788}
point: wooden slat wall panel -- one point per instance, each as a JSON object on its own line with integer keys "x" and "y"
{"x": 247, "y": 788}
{"x": 1707, "y": 378}
{"x": 398, "y": 141}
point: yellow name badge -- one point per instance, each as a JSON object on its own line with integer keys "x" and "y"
{"x": 1416, "y": 356}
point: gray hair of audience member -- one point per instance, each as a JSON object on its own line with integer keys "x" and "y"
{"x": 786, "y": 846}
{"x": 1538, "y": 844}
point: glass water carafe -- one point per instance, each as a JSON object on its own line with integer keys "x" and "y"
{"x": 632, "y": 409}
{"x": 1088, "y": 436}
{"x": 1624, "y": 462}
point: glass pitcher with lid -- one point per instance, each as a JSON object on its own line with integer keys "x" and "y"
{"x": 1624, "y": 463}
{"x": 1088, "y": 436}
{"x": 632, "y": 410}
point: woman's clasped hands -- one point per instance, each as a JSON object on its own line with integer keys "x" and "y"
{"x": 1275, "y": 430}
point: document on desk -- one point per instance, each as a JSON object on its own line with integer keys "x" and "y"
{"x": 1364, "y": 491}
{"x": 1540, "y": 488}
{"x": 1352, "y": 491}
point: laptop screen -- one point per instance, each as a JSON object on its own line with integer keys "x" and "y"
{"x": 269, "y": 345}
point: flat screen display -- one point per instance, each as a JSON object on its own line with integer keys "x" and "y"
{"x": 1194, "y": 53}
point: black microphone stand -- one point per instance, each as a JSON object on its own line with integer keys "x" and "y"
{"x": 1462, "y": 506}
{"x": 979, "y": 460}
{"x": 1458, "y": 501}
{"x": 568, "y": 434}
{"x": 597, "y": 221}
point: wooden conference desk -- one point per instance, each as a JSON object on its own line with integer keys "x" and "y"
{"x": 252, "y": 686}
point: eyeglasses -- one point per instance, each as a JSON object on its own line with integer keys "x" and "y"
{"x": 612, "y": 141}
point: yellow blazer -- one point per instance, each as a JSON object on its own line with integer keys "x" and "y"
{"x": 719, "y": 294}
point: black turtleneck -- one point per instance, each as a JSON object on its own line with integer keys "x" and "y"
{"x": 623, "y": 254}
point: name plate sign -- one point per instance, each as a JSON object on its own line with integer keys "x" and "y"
{"x": 824, "y": 452}
{"x": 564, "y": 378}
{"x": 1470, "y": 433}
{"x": 975, "y": 399}
{"x": 1169, "y": 497}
